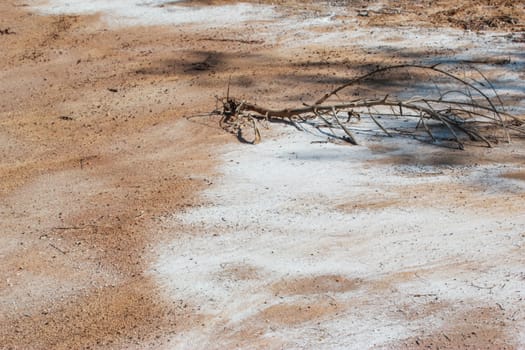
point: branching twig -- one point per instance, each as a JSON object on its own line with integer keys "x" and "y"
{"x": 462, "y": 109}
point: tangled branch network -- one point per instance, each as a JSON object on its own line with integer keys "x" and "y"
{"x": 454, "y": 110}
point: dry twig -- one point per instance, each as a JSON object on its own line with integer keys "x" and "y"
{"x": 461, "y": 108}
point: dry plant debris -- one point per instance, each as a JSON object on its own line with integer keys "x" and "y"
{"x": 454, "y": 110}
{"x": 6, "y": 31}
{"x": 483, "y": 15}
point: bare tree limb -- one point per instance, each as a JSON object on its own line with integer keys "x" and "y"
{"x": 462, "y": 107}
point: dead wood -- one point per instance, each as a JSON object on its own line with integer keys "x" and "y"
{"x": 462, "y": 107}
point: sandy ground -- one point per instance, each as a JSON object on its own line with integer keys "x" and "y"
{"x": 126, "y": 225}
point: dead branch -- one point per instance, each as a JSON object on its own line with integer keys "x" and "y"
{"x": 463, "y": 108}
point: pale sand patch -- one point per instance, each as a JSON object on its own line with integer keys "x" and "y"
{"x": 277, "y": 210}
{"x": 134, "y": 12}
